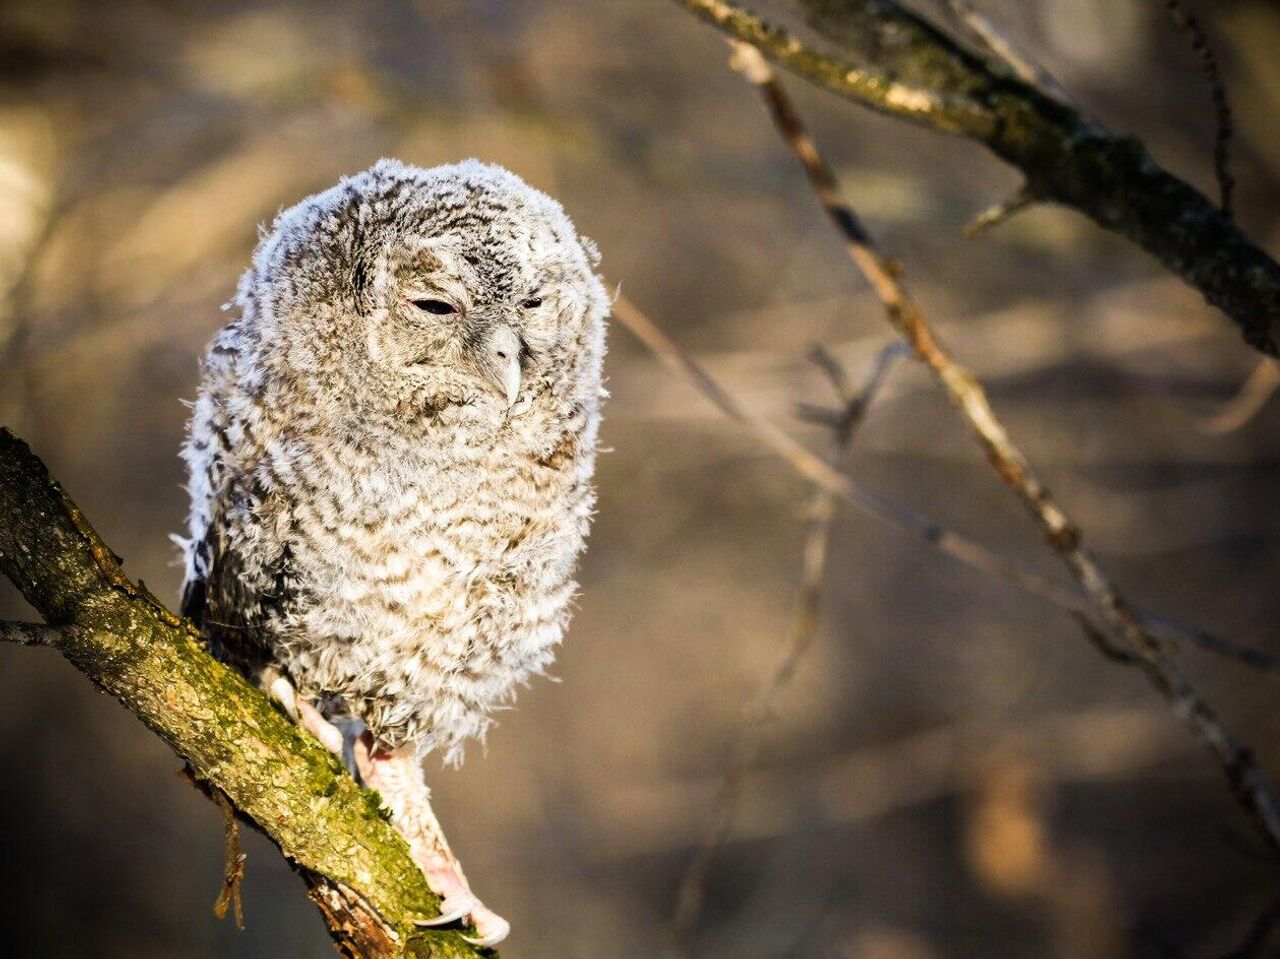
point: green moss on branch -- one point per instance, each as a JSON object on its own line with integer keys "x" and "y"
{"x": 229, "y": 733}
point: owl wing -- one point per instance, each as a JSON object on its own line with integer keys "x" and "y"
{"x": 200, "y": 567}
{"x": 205, "y": 548}
{"x": 229, "y": 603}
{"x": 194, "y": 602}
{"x": 235, "y": 607}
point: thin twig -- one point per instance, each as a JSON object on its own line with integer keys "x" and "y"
{"x": 31, "y": 634}
{"x": 1211, "y": 643}
{"x": 1248, "y": 401}
{"x": 233, "y": 863}
{"x": 1102, "y": 642}
{"x": 901, "y": 517}
{"x": 746, "y": 748}
{"x": 1022, "y": 64}
{"x": 1111, "y": 611}
{"x": 998, "y": 213}
{"x": 818, "y": 471}
{"x": 1199, "y": 40}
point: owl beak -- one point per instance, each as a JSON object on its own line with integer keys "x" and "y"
{"x": 511, "y": 380}
{"x": 501, "y": 362}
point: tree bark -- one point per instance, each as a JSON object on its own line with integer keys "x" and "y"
{"x": 230, "y": 734}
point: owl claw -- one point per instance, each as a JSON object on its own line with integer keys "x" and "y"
{"x": 446, "y": 880}
{"x": 398, "y": 778}
{"x": 448, "y": 913}
{"x": 491, "y": 927}
{"x": 306, "y": 715}
{"x": 283, "y": 692}
{"x": 330, "y": 736}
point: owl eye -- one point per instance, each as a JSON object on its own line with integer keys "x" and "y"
{"x": 532, "y": 303}
{"x": 437, "y": 307}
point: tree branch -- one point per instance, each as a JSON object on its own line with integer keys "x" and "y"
{"x": 1199, "y": 41}
{"x": 1119, "y": 626}
{"x": 31, "y": 634}
{"x": 358, "y": 869}
{"x": 895, "y": 62}
{"x": 901, "y": 517}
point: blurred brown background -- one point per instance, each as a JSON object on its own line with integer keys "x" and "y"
{"x": 954, "y": 771}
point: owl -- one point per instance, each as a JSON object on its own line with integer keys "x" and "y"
{"x": 390, "y": 460}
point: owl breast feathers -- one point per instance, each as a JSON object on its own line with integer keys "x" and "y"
{"x": 392, "y": 447}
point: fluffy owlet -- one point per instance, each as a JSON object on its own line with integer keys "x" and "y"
{"x": 390, "y": 468}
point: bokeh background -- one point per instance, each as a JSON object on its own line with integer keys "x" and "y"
{"x": 954, "y": 771}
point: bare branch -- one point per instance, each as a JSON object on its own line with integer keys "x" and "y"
{"x": 1209, "y": 642}
{"x": 1111, "y": 612}
{"x": 821, "y": 473}
{"x": 895, "y": 62}
{"x": 897, "y": 515}
{"x": 998, "y": 213}
{"x": 1190, "y": 26}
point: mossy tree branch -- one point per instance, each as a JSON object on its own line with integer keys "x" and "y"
{"x": 897, "y": 63}
{"x": 233, "y": 739}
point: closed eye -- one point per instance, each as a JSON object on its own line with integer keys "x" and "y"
{"x": 532, "y": 303}
{"x": 436, "y": 307}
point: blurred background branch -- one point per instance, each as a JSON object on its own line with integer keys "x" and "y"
{"x": 820, "y": 511}
{"x": 1018, "y": 60}
{"x": 1199, "y": 40}
{"x": 894, "y": 61}
{"x": 1124, "y": 630}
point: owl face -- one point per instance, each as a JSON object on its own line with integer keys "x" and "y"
{"x": 484, "y": 310}
{"x": 417, "y": 291}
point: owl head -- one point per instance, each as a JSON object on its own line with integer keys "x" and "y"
{"x": 422, "y": 291}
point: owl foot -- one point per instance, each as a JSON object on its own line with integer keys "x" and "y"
{"x": 306, "y": 715}
{"x": 283, "y": 692}
{"x": 397, "y": 776}
{"x": 457, "y": 901}
{"x": 330, "y": 736}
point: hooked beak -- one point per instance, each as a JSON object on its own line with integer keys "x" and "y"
{"x": 500, "y": 362}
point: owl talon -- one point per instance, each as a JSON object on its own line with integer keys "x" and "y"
{"x": 282, "y": 690}
{"x": 491, "y": 927}
{"x": 398, "y": 778}
{"x": 330, "y": 736}
{"x": 446, "y": 879}
{"x": 448, "y": 913}
{"x": 306, "y": 715}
